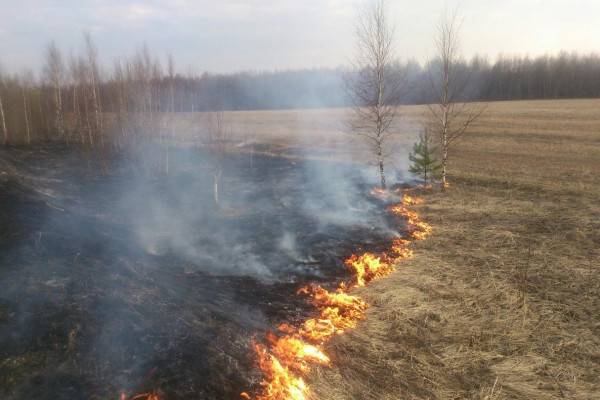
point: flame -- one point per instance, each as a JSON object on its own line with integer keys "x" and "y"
{"x": 411, "y": 201}
{"x": 368, "y": 266}
{"x": 418, "y": 229}
{"x": 143, "y": 396}
{"x": 280, "y": 382}
{"x": 339, "y": 311}
{"x": 289, "y": 356}
{"x": 401, "y": 249}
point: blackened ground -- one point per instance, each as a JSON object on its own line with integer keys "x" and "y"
{"x": 131, "y": 281}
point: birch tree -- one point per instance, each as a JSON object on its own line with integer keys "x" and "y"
{"x": 93, "y": 80}
{"x": 26, "y": 84}
{"x": 120, "y": 79}
{"x": 171, "y": 111}
{"x": 450, "y": 116}
{"x": 76, "y": 82}
{"x": 55, "y": 71}
{"x": 2, "y": 118}
{"x": 218, "y": 137}
{"x": 374, "y": 89}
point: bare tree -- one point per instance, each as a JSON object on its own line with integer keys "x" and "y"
{"x": 26, "y": 84}
{"x": 82, "y": 78}
{"x": 218, "y": 137}
{"x": 171, "y": 118}
{"x": 55, "y": 71}
{"x": 76, "y": 82}
{"x": 450, "y": 116}
{"x": 374, "y": 89}
{"x": 2, "y": 119}
{"x": 93, "y": 79}
{"x": 120, "y": 78}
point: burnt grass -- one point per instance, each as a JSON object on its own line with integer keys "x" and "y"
{"x": 89, "y": 310}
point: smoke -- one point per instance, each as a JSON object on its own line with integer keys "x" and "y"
{"x": 137, "y": 278}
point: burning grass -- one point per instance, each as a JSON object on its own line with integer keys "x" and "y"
{"x": 502, "y": 302}
{"x": 117, "y": 307}
{"x": 287, "y": 358}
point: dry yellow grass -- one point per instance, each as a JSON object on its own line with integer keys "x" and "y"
{"x": 503, "y": 301}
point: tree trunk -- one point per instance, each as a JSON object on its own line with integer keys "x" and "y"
{"x": 87, "y": 121}
{"x": 96, "y": 106}
{"x": 444, "y": 159}
{"x": 217, "y": 177}
{"x": 43, "y": 116}
{"x": 77, "y": 112}
{"x": 3, "y": 123}
{"x": 381, "y": 170}
{"x": 26, "y": 112}
{"x": 171, "y": 123}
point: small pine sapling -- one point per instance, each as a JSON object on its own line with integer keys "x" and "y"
{"x": 424, "y": 162}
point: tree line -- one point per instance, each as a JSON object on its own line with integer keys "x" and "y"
{"x": 80, "y": 99}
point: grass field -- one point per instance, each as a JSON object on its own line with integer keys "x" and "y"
{"x": 503, "y": 301}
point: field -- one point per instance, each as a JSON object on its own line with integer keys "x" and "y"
{"x": 136, "y": 282}
{"x": 503, "y": 301}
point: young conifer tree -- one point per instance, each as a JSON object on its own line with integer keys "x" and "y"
{"x": 424, "y": 161}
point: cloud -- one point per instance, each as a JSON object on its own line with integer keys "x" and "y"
{"x": 264, "y": 34}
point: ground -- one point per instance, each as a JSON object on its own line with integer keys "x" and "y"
{"x": 132, "y": 282}
{"x": 503, "y": 301}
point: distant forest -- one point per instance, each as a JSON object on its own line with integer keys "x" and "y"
{"x": 71, "y": 95}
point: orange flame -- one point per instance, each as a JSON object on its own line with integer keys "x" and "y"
{"x": 339, "y": 311}
{"x": 401, "y": 249}
{"x": 411, "y": 201}
{"x": 290, "y": 356}
{"x": 368, "y": 266}
{"x": 143, "y": 396}
{"x": 418, "y": 229}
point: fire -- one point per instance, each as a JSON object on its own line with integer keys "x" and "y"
{"x": 411, "y": 201}
{"x": 339, "y": 311}
{"x": 418, "y": 229}
{"x": 401, "y": 249}
{"x": 280, "y": 382}
{"x": 368, "y": 266}
{"x": 296, "y": 351}
{"x": 290, "y": 356}
{"x": 143, "y": 396}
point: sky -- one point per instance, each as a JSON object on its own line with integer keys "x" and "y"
{"x": 235, "y": 35}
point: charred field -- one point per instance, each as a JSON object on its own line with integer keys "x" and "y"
{"x": 130, "y": 282}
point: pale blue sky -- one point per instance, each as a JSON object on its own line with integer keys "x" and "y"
{"x": 225, "y": 36}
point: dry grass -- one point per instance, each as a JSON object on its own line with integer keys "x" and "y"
{"x": 503, "y": 302}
